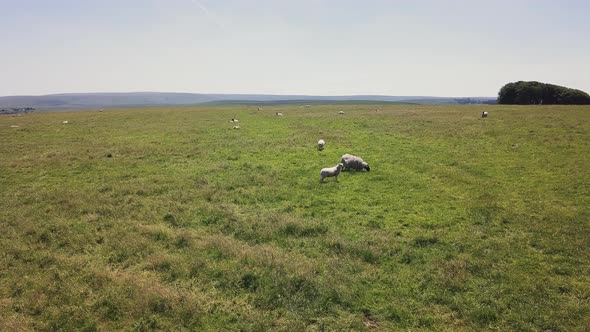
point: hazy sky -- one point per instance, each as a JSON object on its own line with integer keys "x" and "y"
{"x": 330, "y": 47}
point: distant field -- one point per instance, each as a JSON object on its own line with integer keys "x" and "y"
{"x": 190, "y": 225}
{"x": 309, "y": 103}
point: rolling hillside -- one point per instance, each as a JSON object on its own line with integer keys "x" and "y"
{"x": 142, "y": 99}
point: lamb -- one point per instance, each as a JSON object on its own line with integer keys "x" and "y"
{"x": 236, "y": 127}
{"x": 354, "y": 162}
{"x": 331, "y": 172}
{"x": 321, "y": 144}
{"x": 484, "y": 115}
{"x": 341, "y": 112}
{"x": 279, "y": 114}
{"x": 234, "y": 120}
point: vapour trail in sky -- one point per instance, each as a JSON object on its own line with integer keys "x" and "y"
{"x": 209, "y": 14}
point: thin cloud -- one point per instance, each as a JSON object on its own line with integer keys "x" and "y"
{"x": 207, "y": 12}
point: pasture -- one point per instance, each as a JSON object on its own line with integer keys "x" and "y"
{"x": 167, "y": 219}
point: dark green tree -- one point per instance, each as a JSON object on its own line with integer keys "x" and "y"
{"x": 507, "y": 94}
{"x": 536, "y": 93}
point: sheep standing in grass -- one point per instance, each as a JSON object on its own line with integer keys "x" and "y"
{"x": 484, "y": 115}
{"x": 321, "y": 144}
{"x": 279, "y": 114}
{"x": 341, "y": 112}
{"x": 354, "y": 162}
{"x": 236, "y": 127}
{"x": 234, "y": 120}
{"x": 329, "y": 172}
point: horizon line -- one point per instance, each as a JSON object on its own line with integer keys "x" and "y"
{"x": 244, "y": 94}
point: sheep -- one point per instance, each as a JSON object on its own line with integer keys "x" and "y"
{"x": 354, "y": 162}
{"x": 321, "y": 144}
{"x": 234, "y": 120}
{"x": 236, "y": 127}
{"x": 331, "y": 172}
{"x": 65, "y": 122}
{"x": 341, "y": 112}
{"x": 484, "y": 115}
{"x": 279, "y": 114}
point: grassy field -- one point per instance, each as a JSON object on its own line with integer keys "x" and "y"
{"x": 190, "y": 225}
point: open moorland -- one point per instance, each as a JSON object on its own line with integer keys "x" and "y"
{"x": 168, "y": 219}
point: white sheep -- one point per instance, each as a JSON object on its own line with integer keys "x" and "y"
{"x": 279, "y": 114}
{"x": 484, "y": 115}
{"x": 321, "y": 144}
{"x": 236, "y": 127}
{"x": 354, "y": 162}
{"x": 341, "y": 112}
{"x": 330, "y": 172}
{"x": 234, "y": 120}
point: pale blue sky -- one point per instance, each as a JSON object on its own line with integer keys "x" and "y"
{"x": 330, "y": 47}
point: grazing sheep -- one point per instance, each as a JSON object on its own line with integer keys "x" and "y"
{"x": 341, "y": 112}
{"x": 484, "y": 115}
{"x": 234, "y": 120}
{"x": 330, "y": 172}
{"x": 236, "y": 127}
{"x": 321, "y": 144}
{"x": 260, "y": 109}
{"x": 65, "y": 122}
{"x": 279, "y": 114}
{"x": 354, "y": 162}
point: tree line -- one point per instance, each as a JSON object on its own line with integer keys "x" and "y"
{"x": 536, "y": 93}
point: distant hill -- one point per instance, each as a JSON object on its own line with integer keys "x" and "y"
{"x": 141, "y": 99}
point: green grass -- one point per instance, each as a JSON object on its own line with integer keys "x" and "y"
{"x": 191, "y": 225}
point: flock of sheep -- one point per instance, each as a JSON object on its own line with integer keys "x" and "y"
{"x": 347, "y": 161}
{"x": 234, "y": 120}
